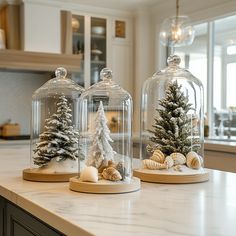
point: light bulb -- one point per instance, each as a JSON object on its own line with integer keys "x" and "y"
{"x": 176, "y": 32}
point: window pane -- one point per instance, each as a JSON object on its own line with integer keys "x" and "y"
{"x": 194, "y": 57}
{"x": 224, "y": 77}
{"x": 231, "y": 85}
{"x": 231, "y": 50}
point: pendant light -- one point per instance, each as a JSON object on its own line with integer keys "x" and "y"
{"x": 177, "y": 31}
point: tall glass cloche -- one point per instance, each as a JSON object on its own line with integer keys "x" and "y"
{"x": 55, "y": 147}
{"x": 171, "y": 135}
{"x": 106, "y": 121}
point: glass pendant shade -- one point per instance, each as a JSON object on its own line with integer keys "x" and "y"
{"x": 176, "y": 32}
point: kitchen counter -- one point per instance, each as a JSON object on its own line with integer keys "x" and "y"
{"x": 221, "y": 146}
{"x": 158, "y": 209}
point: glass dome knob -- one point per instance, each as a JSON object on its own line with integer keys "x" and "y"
{"x": 173, "y": 60}
{"x": 61, "y": 72}
{"x": 106, "y": 74}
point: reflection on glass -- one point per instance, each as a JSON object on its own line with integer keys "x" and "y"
{"x": 77, "y": 25}
{"x": 98, "y": 48}
{"x": 194, "y": 57}
{"x": 224, "y": 78}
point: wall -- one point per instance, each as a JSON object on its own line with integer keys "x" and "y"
{"x": 15, "y": 96}
{"x": 143, "y": 54}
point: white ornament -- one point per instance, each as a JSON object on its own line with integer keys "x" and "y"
{"x": 158, "y": 156}
{"x": 112, "y": 174}
{"x": 178, "y": 158}
{"x": 153, "y": 165}
{"x": 194, "y": 161}
{"x": 89, "y": 174}
{"x": 169, "y": 162}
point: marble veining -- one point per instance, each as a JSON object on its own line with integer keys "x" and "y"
{"x": 158, "y": 209}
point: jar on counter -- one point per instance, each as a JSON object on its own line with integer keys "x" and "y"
{"x": 172, "y": 127}
{"x": 55, "y": 147}
{"x": 106, "y": 121}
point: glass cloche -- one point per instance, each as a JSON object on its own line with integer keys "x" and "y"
{"x": 55, "y": 130}
{"x": 106, "y": 111}
{"x": 172, "y": 132}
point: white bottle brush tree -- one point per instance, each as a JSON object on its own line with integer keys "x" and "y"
{"x": 60, "y": 140}
{"x": 172, "y": 129}
{"x": 100, "y": 151}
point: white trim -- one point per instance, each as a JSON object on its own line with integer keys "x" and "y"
{"x": 86, "y": 9}
{"x": 87, "y": 49}
{"x": 210, "y": 76}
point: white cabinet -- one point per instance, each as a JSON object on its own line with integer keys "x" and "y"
{"x": 40, "y": 27}
{"x": 94, "y": 39}
{"x": 97, "y": 39}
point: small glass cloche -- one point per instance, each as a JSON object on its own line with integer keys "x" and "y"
{"x": 106, "y": 111}
{"x": 171, "y": 135}
{"x": 55, "y": 124}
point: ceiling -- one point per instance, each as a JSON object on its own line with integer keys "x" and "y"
{"x": 127, "y": 5}
{"x": 118, "y": 4}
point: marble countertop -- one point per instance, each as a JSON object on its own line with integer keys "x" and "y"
{"x": 158, "y": 209}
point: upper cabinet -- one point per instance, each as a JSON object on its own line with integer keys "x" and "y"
{"x": 92, "y": 37}
{"x": 99, "y": 41}
{"x": 86, "y": 37}
{"x": 98, "y": 47}
{"x": 40, "y": 28}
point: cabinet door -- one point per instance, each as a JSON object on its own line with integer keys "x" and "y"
{"x": 21, "y": 223}
{"x": 78, "y": 41}
{"x": 2, "y": 202}
{"x": 98, "y": 48}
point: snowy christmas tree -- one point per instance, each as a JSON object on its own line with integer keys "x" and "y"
{"x": 101, "y": 151}
{"x": 172, "y": 129}
{"x": 60, "y": 139}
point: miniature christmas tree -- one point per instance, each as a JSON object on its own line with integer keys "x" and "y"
{"x": 172, "y": 129}
{"x": 101, "y": 151}
{"x": 60, "y": 139}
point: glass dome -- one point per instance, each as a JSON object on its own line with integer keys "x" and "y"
{"x": 106, "y": 131}
{"x": 55, "y": 125}
{"x": 172, "y": 120}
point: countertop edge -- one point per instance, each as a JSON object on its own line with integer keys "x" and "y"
{"x": 39, "y": 212}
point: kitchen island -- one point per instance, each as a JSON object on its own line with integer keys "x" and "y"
{"x": 158, "y": 209}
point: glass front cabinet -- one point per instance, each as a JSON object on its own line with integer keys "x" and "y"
{"x": 89, "y": 41}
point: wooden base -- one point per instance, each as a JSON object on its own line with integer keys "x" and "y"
{"x": 178, "y": 178}
{"x": 104, "y": 186}
{"x": 35, "y": 175}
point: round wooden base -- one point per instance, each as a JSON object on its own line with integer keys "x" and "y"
{"x": 35, "y": 175}
{"x": 163, "y": 177}
{"x": 104, "y": 186}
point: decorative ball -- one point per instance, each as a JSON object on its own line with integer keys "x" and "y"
{"x": 61, "y": 72}
{"x": 75, "y": 24}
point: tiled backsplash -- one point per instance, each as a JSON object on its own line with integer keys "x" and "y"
{"x": 16, "y": 89}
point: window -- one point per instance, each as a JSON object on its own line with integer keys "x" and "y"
{"x": 216, "y": 39}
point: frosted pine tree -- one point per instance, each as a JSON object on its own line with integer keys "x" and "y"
{"x": 101, "y": 151}
{"x": 60, "y": 139}
{"x": 172, "y": 129}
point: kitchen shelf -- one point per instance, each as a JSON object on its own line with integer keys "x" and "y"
{"x": 98, "y": 62}
{"x": 37, "y": 61}
{"x": 96, "y": 36}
